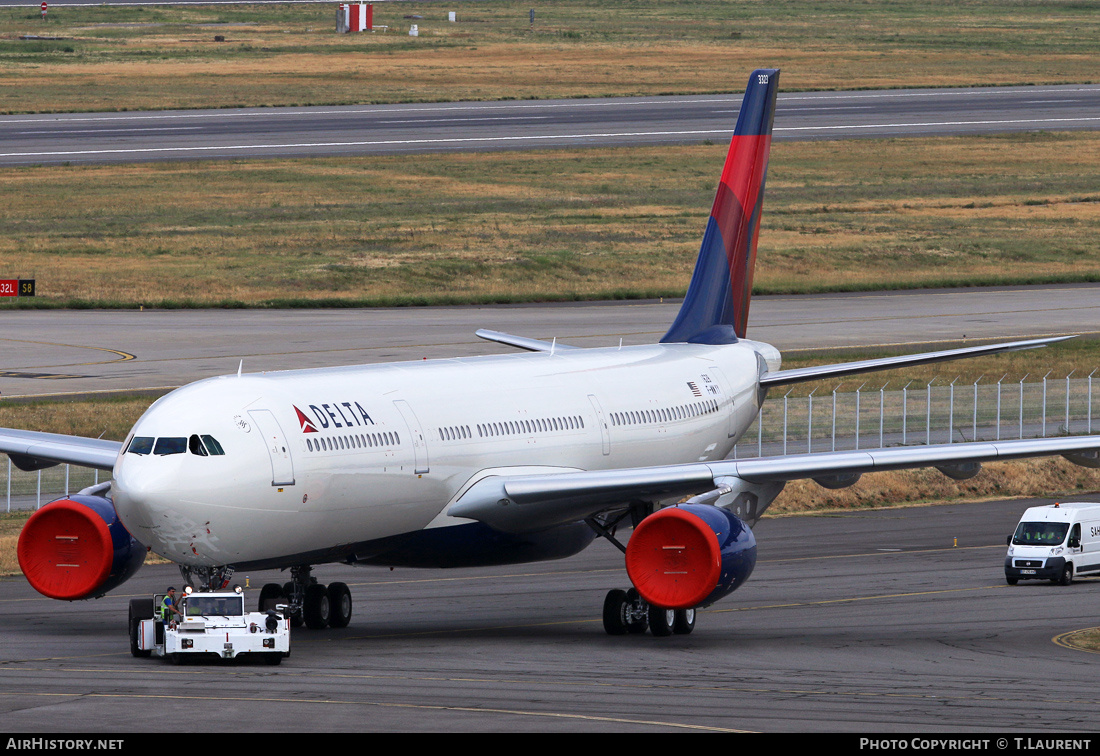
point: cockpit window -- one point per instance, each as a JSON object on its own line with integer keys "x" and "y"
{"x": 212, "y": 445}
{"x": 195, "y": 445}
{"x": 141, "y": 445}
{"x": 170, "y": 445}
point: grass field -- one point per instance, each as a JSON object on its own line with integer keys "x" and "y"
{"x": 125, "y": 58}
{"x": 551, "y": 225}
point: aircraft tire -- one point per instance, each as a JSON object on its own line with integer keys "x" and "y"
{"x": 661, "y": 621}
{"x": 317, "y": 609}
{"x": 339, "y": 601}
{"x": 685, "y": 621}
{"x": 614, "y": 612}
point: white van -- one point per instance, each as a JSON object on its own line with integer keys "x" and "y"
{"x": 1055, "y": 543}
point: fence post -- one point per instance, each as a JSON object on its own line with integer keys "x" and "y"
{"x": 1022, "y": 404}
{"x": 1045, "y": 402}
{"x": 999, "y": 406}
{"x": 760, "y": 432}
{"x": 1067, "y": 399}
{"x": 785, "y": 421}
{"x": 833, "y": 447}
{"x": 974, "y": 431}
{"x": 810, "y": 423}
{"x": 904, "y": 410}
{"x": 1089, "y": 411}
{"x": 928, "y": 415}
{"x": 9, "y": 484}
{"x": 857, "y": 411}
{"x": 951, "y": 412}
{"x": 881, "y": 413}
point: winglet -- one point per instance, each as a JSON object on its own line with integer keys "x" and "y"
{"x": 716, "y": 308}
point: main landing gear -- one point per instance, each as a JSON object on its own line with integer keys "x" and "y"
{"x": 626, "y": 612}
{"x": 310, "y": 603}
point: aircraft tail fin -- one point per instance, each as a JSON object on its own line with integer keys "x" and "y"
{"x": 716, "y": 308}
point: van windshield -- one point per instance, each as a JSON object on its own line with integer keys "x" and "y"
{"x": 1040, "y": 533}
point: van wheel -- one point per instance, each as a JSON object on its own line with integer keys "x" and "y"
{"x": 1067, "y": 575}
{"x": 1011, "y": 581}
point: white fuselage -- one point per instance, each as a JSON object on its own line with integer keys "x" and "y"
{"x": 315, "y": 459}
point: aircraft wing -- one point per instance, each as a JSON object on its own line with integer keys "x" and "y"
{"x": 33, "y": 450}
{"x": 819, "y": 372}
{"x": 532, "y": 502}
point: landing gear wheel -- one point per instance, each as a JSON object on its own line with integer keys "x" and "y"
{"x": 295, "y": 612}
{"x": 614, "y": 612}
{"x": 661, "y": 621}
{"x": 685, "y": 621}
{"x": 317, "y": 607}
{"x": 339, "y": 601}
{"x": 637, "y": 613}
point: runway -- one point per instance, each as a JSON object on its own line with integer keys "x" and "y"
{"x": 469, "y": 126}
{"x": 887, "y": 621}
{"x": 128, "y": 350}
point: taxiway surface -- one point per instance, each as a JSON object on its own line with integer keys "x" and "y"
{"x": 884, "y": 621}
{"x": 51, "y": 352}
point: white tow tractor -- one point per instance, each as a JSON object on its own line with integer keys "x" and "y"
{"x": 213, "y": 622}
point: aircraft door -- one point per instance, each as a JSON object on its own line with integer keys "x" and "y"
{"x": 604, "y": 432}
{"x": 282, "y": 464}
{"x": 420, "y": 444}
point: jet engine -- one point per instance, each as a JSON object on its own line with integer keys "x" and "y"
{"x": 689, "y": 556}
{"x": 76, "y": 548}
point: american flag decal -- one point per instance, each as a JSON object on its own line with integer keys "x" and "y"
{"x": 694, "y": 389}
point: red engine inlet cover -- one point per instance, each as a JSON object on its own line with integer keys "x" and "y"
{"x": 65, "y": 550}
{"x": 674, "y": 559}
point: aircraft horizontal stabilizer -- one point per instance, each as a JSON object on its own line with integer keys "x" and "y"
{"x": 522, "y": 342}
{"x": 839, "y": 370}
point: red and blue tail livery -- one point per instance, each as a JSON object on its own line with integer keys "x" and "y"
{"x": 716, "y": 308}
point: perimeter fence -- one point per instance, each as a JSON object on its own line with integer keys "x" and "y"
{"x": 922, "y": 414}
{"x": 824, "y": 420}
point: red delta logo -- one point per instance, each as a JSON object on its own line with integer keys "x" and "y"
{"x": 306, "y": 423}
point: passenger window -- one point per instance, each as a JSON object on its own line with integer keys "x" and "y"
{"x": 170, "y": 445}
{"x": 141, "y": 445}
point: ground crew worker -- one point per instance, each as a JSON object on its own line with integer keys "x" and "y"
{"x": 168, "y": 607}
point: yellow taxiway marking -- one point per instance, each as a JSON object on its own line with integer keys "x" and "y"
{"x": 385, "y": 705}
{"x": 122, "y": 356}
{"x": 1067, "y": 640}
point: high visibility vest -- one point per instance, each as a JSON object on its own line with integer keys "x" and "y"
{"x": 166, "y": 609}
